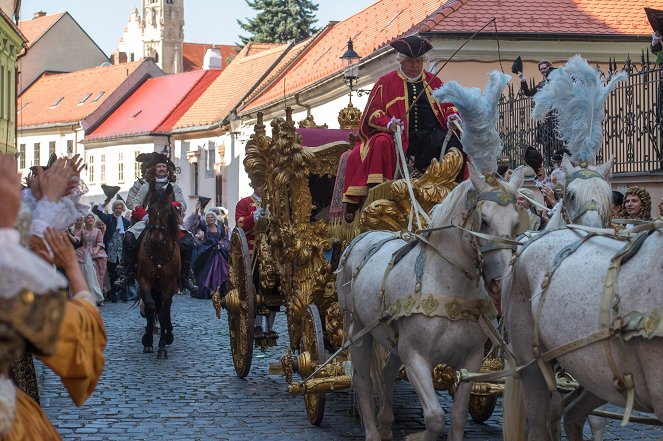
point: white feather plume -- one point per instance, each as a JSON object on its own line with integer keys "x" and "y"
{"x": 480, "y": 138}
{"x": 575, "y": 95}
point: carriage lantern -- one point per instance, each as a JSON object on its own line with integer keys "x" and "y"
{"x": 351, "y": 74}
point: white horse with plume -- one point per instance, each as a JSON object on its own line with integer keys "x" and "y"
{"x": 577, "y": 93}
{"x": 424, "y": 308}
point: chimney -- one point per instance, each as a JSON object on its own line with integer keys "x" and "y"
{"x": 212, "y": 60}
{"x": 39, "y": 14}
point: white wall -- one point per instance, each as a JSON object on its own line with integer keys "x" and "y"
{"x": 60, "y": 136}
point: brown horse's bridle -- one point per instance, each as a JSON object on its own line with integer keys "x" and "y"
{"x": 150, "y": 254}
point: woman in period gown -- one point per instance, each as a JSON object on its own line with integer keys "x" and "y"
{"x": 210, "y": 266}
{"x": 92, "y": 257}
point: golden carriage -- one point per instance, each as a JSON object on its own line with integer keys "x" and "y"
{"x": 298, "y": 248}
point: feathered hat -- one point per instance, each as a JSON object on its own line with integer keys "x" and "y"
{"x": 480, "y": 138}
{"x": 575, "y": 95}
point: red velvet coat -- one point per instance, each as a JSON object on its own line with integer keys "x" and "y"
{"x": 373, "y": 159}
{"x": 244, "y": 218}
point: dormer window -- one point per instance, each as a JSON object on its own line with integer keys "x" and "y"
{"x": 99, "y": 95}
{"x": 85, "y": 98}
{"x": 55, "y": 104}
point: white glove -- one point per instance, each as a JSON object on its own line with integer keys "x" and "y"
{"x": 522, "y": 78}
{"x": 450, "y": 121}
{"x": 394, "y": 120}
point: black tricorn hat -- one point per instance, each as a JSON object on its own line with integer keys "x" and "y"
{"x": 203, "y": 201}
{"x": 533, "y": 158}
{"x": 517, "y": 66}
{"x": 119, "y": 198}
{"x": 51, "y": 160}
{"x": 412, "y": 46}
{"x": 159, "y": 158}
{"x": 655, "y": 18}
{"x": 110, "y": 190}
{"x": 145, "y": 157}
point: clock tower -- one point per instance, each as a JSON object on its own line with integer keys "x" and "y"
{"x": 163, "y": 33}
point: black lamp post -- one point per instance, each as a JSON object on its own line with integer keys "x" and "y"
{"x": 351, "y": 73}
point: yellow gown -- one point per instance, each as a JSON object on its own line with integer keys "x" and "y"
{"x": 78, "y": 360}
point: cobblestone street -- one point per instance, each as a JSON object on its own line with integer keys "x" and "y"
{"x": 195, "y": 394}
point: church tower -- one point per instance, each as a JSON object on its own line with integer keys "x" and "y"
{"x": 163, "y": 33}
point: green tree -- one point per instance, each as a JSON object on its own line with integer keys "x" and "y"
{"x": 279, "y": 21}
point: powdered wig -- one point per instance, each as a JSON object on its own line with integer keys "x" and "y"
{"x": 400, "y": 57}
{"x": 645, "y": 201}
{"x": 213, "y": 214}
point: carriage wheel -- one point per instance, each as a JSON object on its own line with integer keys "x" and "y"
{"x": 239, "y": 302}
{"x": 312, "y": 342}
{"x": 482, "y": 406}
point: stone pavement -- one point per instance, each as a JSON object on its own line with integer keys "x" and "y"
{"x": 195, "y": 394}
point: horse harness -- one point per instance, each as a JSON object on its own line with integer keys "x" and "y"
{"x": 589, "y": 205}
{"x": 613, "y": 327}
{"x": 149, "y": 251}
{"x": 453, "y": 308}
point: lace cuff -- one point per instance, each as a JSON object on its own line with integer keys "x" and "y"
{"x": 58, "y": 215}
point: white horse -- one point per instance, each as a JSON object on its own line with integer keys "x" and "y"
{"x": 568, "y": 284}
{"x": 426, "y": 306}
{"x": 586, "y": 197}
{"x": 585, "y": 201}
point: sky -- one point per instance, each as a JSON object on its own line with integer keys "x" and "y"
{"x": 205, "y": 21}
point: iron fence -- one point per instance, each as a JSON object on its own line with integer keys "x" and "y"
{"x": 633, "y": 124}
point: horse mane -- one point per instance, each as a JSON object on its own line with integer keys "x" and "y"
{"x": 444, "y": 212}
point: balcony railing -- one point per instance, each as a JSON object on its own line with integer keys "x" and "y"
{"x": 633, "y": 124}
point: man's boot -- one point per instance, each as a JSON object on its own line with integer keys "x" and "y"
{"x": 126, "y": 270}
{"x": 186, "y": 254}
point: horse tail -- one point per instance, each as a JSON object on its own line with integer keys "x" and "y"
{"x": 513, "y": 411}
{"x": 378, "y": 360}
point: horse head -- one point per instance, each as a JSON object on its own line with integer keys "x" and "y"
{"x": 160, "y": 210}
{"x": 496, "y": 214}
{"x": 587, "y": 194}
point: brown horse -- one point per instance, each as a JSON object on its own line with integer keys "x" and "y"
{"x": 159, "y": 267}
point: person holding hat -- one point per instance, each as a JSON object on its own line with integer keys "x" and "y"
{"x": 401, "y": 98}
{"x": 161, "y": 171}
{"x": 116, "y": 227}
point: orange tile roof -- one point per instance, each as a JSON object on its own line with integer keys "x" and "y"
{"x": 281, "y": 67}
{"x": 33, "y": 29}
{"x": 235, "y": 82}
{"x": 35, "y": 105}
{"x": 371, "y": 29}
{"x": 193, "y": 54}
{"x": 573, "y": 17}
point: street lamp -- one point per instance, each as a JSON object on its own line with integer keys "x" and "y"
{"x": 351, "y": 73}
{"x": 235, "y": 123}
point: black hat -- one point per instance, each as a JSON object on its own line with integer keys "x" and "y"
{"x": 533, "y": 158}
{"x": 517, "y": 66}
{"x": 203, "y": 201}
{"x": 556, "y": 157}
{"x": 119, "y": 197}
{"x": 145, "y": 157}
{"x": 51, "y": 160}
{"x": 159, "y": 158}
{"x": 655, "y": 18}
{"x": 412, "y": 46}
{"x": 110, "y": 190}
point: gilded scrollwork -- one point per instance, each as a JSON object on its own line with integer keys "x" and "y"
{"x": 429, "y": 189}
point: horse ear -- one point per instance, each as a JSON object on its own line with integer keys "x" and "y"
{"x": 169, "y": 189}
{"x": 605, "y": 169}
{"x": 478, "y": 183}
{"x": 153, "y": 188}
{"x": 517, "y": 178}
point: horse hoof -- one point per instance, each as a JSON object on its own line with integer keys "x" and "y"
{"x": 148, "y": 349}
{"x": 170, "y": 338}
{"x": 162, "y": 354}
{"x": 147, "y": 340}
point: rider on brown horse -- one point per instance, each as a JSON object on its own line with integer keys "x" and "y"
{"x": 161, "y": 171}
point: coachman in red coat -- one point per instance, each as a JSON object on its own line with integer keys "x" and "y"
{"x": 392, "y": 103}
